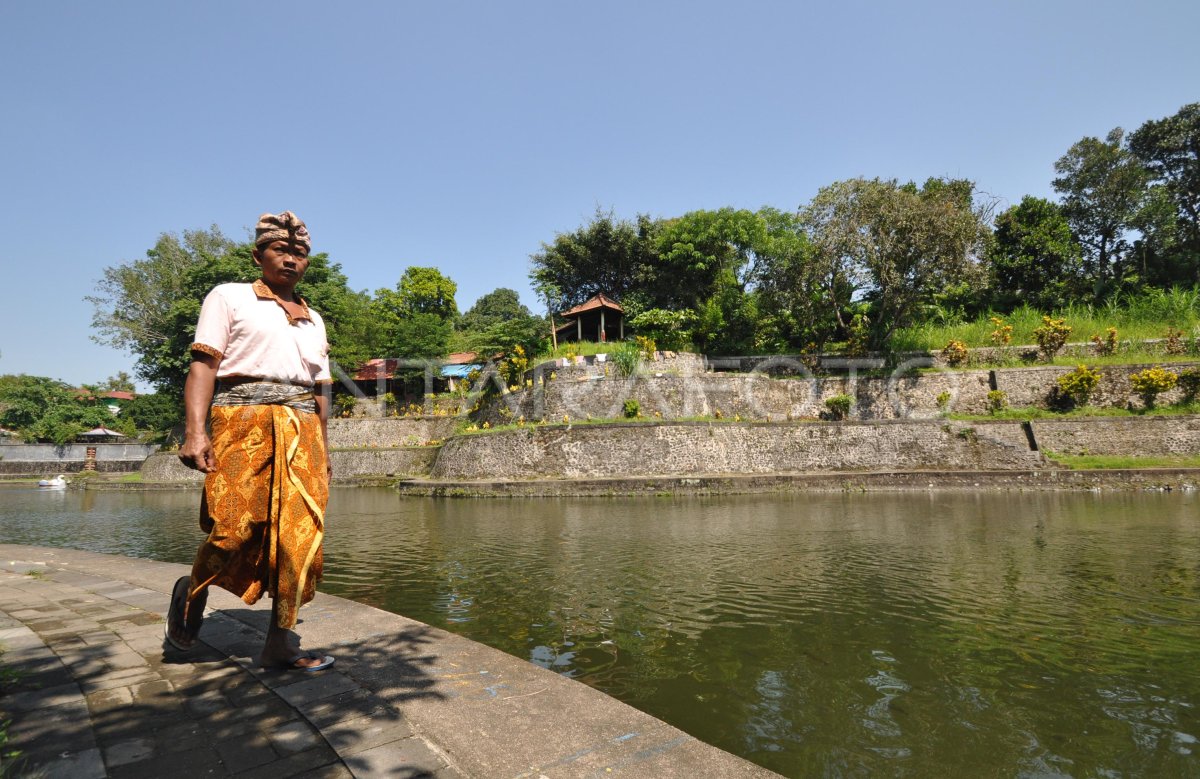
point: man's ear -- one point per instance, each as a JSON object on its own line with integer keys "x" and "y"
{"x": 256, "y": 256}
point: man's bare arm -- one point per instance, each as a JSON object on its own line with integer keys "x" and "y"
{"x": 197, "y": 451}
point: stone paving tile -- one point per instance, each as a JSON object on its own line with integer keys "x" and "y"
{"x": 132, "y": 750}
{"x": 118, "y": 678}
{"x": 331, "y": 771}
{"x": 410, "y": 757}
{"x": 293, "y": 737}
{"x": 358, "y": 735}
{"x": 87, "y": 764}
{"x": 293, "y": 764}
{"x": 202, "y": 762}
{"x": 33, "y": 700}
{"x": 322, "y": 685}
{"x": 337, "y": 708}
{"x": 68, "y": 730}
{"x": 249, "y": 751}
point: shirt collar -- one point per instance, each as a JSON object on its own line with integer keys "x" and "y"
{"x": 265, "y": 293}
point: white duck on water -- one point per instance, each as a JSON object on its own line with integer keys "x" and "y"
{"x": 57, "y": 483}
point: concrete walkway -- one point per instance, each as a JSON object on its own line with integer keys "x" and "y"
{"x": 90, "y": 691}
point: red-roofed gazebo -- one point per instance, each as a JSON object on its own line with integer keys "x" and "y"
{"x": 599, "y": 318}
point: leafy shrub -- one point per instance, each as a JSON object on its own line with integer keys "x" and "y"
{"x": 1107, "y": 344}
{"x": 669, "y": 329}
{"x": 1051, "y": 336}
{"x": 1076, "y": 387}
{"x": 627, "y": 358}
{"x": 514, "y": 366}
{"x": 858, "y": 340}
{"x": 839, "y": 406}
{"x": 955, "y": 353}
{"x": 343, "y": 405}
{"x": 1152, "y": 382}
{"x": 646, "y": 346}
{"x": 943, "y": 400}
{"x": 1189, "y": 382}
{"x": 997, "y": 400}
{"x": 1003, "y": 333}
{"x": 633, "y": 409}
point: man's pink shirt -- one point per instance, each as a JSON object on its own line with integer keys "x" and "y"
{"x": 249, "y": 331}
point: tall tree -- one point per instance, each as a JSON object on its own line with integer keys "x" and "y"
{"x": 896, "y": 246}
{"x": 607, "y": 255}
{"x": 122, "y": 382}
{"x": 132, "y": 306}
{"x": 791, "y": 313}
{"x": 416, "y": 319}
{"x": 1103, "y": 187}
{"x": 1169, "y": 149}
{"x": 499, "y": 305}
{"x": 1035, "y": 260}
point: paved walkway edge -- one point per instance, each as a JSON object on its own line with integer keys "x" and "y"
{"x": 404, "y": 698}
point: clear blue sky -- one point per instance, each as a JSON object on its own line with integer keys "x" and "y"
{"x": 464, "y": 134}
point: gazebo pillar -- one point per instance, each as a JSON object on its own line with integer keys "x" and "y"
{"x": 579, "y": 328}
{"x": 601, "y": 338}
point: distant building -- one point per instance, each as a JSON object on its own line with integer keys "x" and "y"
{"x": 381, "y": 371}
{"x": 114, "y": 401}
{"x": 600, "y": 319}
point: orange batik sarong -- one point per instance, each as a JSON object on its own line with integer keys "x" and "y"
{"x": 264, "y": 507}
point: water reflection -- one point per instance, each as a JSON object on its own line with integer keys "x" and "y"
{"x": 917, "y": 634}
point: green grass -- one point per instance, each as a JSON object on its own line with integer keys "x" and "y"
{"x": 1096, "y": 462}
{"x": 1146, "y": 316}
{"x": 584, "y": 348}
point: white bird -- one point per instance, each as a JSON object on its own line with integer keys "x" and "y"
{"x": 57, "y": 483}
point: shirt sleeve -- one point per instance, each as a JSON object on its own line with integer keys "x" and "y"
{"x": 212, "y": 331}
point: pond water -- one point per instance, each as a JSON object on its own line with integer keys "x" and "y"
{"x": 1036, "y": 634}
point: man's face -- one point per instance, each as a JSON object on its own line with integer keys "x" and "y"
{"x": 283, "y": 263}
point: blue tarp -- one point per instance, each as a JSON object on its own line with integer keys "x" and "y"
{"x": 458, "y": 371}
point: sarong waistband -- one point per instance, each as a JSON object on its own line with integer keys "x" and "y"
{"x": 260, "y": 392}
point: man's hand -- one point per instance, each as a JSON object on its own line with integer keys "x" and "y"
{"x": 197, "y": 452}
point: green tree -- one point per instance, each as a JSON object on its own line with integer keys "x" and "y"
{"x": 1034, "y": 259}
{"x": 791, "y": 303}
{"x": 156, "y": 412}
{"x": 132, "y": 307}
{"x": 45, "y": 409}
{"x": 416, "y": 319}
{"x": 502, "y": 337}
{"x": 896, "y": 246}
{"x": 427, "y": 291}
{"x": 122, "y": 382}
{"x": 499, "y": 305}
{"x": 702, "y": 251}
{"x": 606, "y": 255}
{"x": 1103, "y": 187}
{"x": 1169, "y": 150}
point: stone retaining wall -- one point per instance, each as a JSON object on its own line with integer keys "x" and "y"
{"x": 623, "y": 450}
{"x": 758, "y": 397}
{"x": 347, "y": 463}
{"x": 388, "y": 431}
{"x": 405, "y": 461}
{"x": 38, "y": 459}
{"x": 1121, "y": 436}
